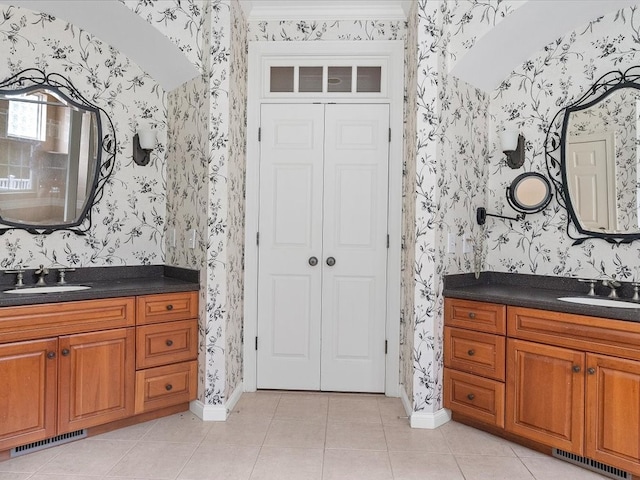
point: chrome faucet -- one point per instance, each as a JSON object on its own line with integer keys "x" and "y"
{"x": 41, "y": 273}
{"x": 19, "y": 276}
{"x": 613, "y": 285}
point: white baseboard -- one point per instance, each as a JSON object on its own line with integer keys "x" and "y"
{"x": 430, "y": 420}
{"x": 216, "y": 413}
{"x": 406, "y": 403}
{"x": 423, "y": 419}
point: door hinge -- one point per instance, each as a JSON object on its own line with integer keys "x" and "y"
{"x": 259, "y": 134}
{"x": 389, "y": 134}
{"x": 386, "y": 347}
{"x": 387, "y": 240}
{"x": 256, "y": 343}
{"x": 257, "y": 238}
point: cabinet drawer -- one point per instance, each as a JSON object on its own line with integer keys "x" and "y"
{"x": 165, "y": 386}
{"x": 52, "y": 319}
{"x": 479, "y": 316}
{"x": 165, "y": 343}
{"x": 473, "y": 352}
{"x": 474, "y": 397}
{"x": 166, "y": 307}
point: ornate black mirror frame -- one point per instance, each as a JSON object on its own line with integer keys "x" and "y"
{"x": 33, "y": 79}
{"x": 555, "y": 151}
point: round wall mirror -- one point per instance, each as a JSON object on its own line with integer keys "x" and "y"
{"x": 529, "y": 193}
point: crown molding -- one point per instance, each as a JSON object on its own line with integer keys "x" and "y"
{"x": 326, "y": 9}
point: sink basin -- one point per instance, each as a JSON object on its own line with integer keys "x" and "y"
{"x": 49, "y": 289}
{"x": 600, "y": 302}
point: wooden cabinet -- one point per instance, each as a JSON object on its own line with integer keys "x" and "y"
{"x": 613, "y": 411}
{"x": 97, "y": 375}
{"x": 70, "y": 366}
{"x": 166, "y": 352}
{"x": 28, "y": 394}
{"x": 474, "y": 371}
{"x": 572, "y": 381}
{"x": 545, "y": 394}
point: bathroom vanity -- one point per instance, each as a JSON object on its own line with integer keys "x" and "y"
{"x": 74, "y": 361}
{"x": 522, "y": 364}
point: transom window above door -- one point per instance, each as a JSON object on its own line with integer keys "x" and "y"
{"x": 359, "y": 79}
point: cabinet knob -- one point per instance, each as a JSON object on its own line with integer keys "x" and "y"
{"x": 471, "y": 352}
{"x": 168, "y": 387}
{"x": 576, "y": 368}
{"x": 472, "y": 315}
{"x": 169, "y": 307}
{"x": 471, "y": 396}
{"x": 591, "y": 370}
{"x": 51, "y": 355}
{"x": 169, "y": 343}
{"x": 65, "y": 352}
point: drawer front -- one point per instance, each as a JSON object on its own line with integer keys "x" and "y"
{"x": 472, "y": 315}
{"x": 475, "y": 397}
{"x": 166, "y": 307}
{"x": 65, "y": 318}
{"x": 165, "y": 343}
{"x": 161, "y": 387}
{"x": 473, "y": 352}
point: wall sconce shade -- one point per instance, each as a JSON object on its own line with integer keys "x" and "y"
{"x": 143, "y": 143}
{"x": 513, "y": 147}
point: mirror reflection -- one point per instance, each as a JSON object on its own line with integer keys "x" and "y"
{"x": 529, "y": 193}
{"x": 601, "y": 162}
{"x": 48, "y": 157}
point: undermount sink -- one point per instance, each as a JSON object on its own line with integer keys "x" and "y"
{"x": 48, "y": 289}
{"x": 600, "y": 302}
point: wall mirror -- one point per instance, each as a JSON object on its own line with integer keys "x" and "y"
{"x": 592, "y": 158}
{"x": 528, "y": 193}
{"x": 54, "y": 155}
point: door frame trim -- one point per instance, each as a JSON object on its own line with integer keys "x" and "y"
{"x": 392, "y": 52}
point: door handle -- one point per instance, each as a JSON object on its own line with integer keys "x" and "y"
{"x": 313, "y": 261}
{"x": 331, "y": 261}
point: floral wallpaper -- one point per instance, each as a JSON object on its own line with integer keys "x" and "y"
{"x": 451, "y": 173}
{"x": 528, "y": 99}
{"x": 304, "y": 30}
{"x": 618, "y": 115}
{"x": 207, "y": 117}
{"x": 128, "y": 223}
{"x": 410, "y": 120}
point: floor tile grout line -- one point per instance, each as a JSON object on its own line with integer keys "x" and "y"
{"x": 273, "y": 416}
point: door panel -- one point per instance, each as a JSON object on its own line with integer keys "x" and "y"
{"x": 323, "y": 193}
{"x": 590, "y": 174}
{"x": 354, "y": 234}
{"x": 290, "y": 228}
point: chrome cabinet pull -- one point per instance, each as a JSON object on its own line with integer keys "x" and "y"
{"x": 576, "y": 368}
{"x": 591, "y": 371}
{"x": 472, "y": 315}
{"x": 331, "y": 261}
{"x": 313, "y": 261}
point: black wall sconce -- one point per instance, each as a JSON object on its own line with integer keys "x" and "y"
{"x": 513, "y": 147}
{"x": 143, "y": 143}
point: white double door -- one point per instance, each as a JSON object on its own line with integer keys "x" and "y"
{"x": 323, "y": 247}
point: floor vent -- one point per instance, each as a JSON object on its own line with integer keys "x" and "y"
{"x": 49, "y": 442}
{"x": 593, "y": 465}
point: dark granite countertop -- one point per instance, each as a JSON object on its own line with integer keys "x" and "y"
{"x": 536, "y": 291}
{"x": 105, "y": 282}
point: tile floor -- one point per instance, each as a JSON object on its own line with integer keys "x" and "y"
{"x": 273, "y": 435}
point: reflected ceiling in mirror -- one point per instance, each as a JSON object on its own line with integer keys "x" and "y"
{"x": 592, "y": 159}
{"x": 51, "y": 154}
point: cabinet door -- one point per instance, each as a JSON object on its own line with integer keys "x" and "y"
{"x": 613, "y": 412}
{"x": 545, "y": 394}
{"x": 28, "y": 396}
{"x": 97, "y": 375}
